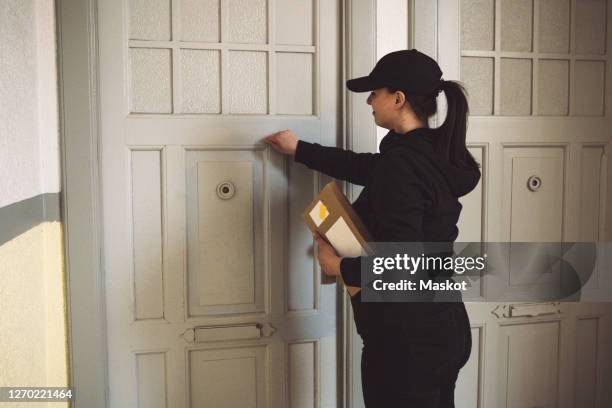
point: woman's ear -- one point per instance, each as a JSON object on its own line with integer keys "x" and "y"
{"x": 400, "y": 98}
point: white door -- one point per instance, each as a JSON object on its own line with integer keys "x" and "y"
{"x": 213, "y": 296}
{"x": 538, "y": 78}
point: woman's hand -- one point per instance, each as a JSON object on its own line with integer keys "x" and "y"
{"x": 328, "y": 258}
{"x": 284, "y": 142}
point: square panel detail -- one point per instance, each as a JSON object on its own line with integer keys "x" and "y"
{"x": 151, "y": 375}
{"x": 477, "y": 75}
{"x": 294, "y": 22}
{"x": 477, "y": 25}
{"x": 553, "y": 87}
{"x": 200, "y": 81}
{"x": 589, "y": 88}
{"x": 149, "y": 19}
{"x": 535, "y": 216}
{"x": 588, "y": 345}
{"x": 248, "y": 82}
{"x": 517, "y": 25}
{"x": 247, "y": 21}
{"x": 215, "y": 375}
{"x": 302, "y": 370}
{"x": 590, "y": 26}
{"x": 294, "y": 89}
{"x": 554, "y": 31}
{"x": 593, "y": 169}
{"x": 225, "y": 216}
{"x": 147, "y": 233}
{"x": 515, "y": 77}
{"x": 225, "y": 279}
{"x": 200, "y": 20}
{"x": 150, "y": 80}
{"x": 531, "y": 366}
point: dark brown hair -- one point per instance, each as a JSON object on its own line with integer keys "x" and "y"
{"x": 450, "y": 141}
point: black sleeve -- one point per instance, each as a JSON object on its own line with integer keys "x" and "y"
{"x": 350, "y": 269}
{"x": 398, "y": 200}
{"x": 336, "y": 162}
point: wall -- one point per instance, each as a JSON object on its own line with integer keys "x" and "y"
{"x": 33, "y": 330}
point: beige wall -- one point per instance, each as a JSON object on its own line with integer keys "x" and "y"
{"x": 33, "y": 349}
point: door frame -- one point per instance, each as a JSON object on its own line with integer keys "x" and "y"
{"x": 81, "y": 208}
{"x": 81, "y": 200}
{"x": 358, "y": 134}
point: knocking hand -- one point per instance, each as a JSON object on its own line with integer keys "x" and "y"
{"x": 284, "y": 142}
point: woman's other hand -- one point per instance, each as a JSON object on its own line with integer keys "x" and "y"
{"x": 284, "y": 142}
{"x": 328, "y": 257}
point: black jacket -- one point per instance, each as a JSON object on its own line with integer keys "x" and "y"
{"x": 410, "y": 195}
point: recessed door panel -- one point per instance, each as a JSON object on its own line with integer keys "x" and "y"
{"x": 587, "y": 357}
{"x": 151, "y": 377}
{"x": 530, "y": 366}
{"x": 535, "y": 193}
{"x": 233, "y": 377}
{"x": 147, "y": 234}
{"x": 225, "y": 218}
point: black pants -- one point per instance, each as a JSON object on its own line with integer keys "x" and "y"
{"x": 417, "y": 365}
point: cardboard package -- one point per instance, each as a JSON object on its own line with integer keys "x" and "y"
{"x": 332, "y": 215}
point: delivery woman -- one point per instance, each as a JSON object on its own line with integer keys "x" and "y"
{"x": 411, "y": 191}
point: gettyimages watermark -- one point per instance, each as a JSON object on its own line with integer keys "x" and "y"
{"x": 487, "y": 272}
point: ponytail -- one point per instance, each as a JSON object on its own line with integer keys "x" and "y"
{"x": 450, "y": 141}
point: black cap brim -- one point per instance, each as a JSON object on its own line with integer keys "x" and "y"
{"x": 362, "y": 84}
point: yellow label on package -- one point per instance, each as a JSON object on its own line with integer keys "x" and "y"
{"x": 319, "y": 213}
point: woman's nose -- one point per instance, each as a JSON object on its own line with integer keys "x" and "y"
{"x": 369, "y": 100}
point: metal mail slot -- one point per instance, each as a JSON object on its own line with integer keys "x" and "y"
{"x": 219, "y": 333}
{"x": 230, "y": 332}
{"x": 534, "y": 310}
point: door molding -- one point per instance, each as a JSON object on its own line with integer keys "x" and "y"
{"x": 359, "y": 23}
{"x": 80, "y": 201}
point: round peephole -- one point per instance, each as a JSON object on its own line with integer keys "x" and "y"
{"x": 226, "y": 190}
{"x": 534, "y": 183}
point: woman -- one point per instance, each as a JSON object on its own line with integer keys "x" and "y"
{"x": 412, "y": 351}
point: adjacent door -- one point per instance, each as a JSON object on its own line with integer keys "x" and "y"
{"x": 539, "y": 90}
{"x": 213, "y": 297}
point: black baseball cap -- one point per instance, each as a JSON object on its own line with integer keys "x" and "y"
{"x": 410, "y": 70}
